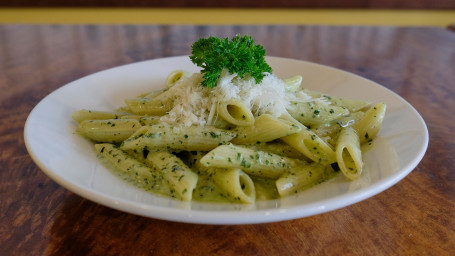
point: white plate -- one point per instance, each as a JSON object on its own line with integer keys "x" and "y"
{"x": 70, "y": 161}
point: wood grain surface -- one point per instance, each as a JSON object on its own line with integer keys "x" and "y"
{"x": 414, "y": 217}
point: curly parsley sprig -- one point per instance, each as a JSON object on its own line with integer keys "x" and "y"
{"x": 239, "y": 55}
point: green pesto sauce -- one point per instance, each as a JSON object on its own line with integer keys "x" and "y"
{"x": 265, "y": 188}
{"x": 152, "y": 186}
{"x": 207, "y": 191}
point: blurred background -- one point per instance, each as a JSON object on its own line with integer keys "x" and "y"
{"x": 320, "y": 12}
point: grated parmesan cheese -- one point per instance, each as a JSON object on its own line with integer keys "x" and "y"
{"x": 196, "y": 105}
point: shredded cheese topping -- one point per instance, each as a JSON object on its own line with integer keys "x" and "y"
{"x": 196, "y": 105}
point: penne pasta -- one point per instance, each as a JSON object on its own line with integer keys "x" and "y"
{"x": 314, "y": 112}
{"x": 174, "y": 77}
{"x": 312, "y": 146}
{"x": 236, "y": 113}
{"x": 145, "y": 106}
{"x": 151, "y": 95}
{"x": 110, "y": 130}
{"x": 279, "y": 148}
{"x": 265, "y": 128}
{"x": 350, "y": 104}
{"x": 303, "y": 177}
{"x": 192, "y": 138}
{"x": 368, "y": 127}
{"x": 237, "y": 185}
{"x": 135, "y": 171}
{"x": 265, "y": 188}
{"x": 179, "y": 178}
{"x": 143, "y": 119}
{"x": 204, "y": 144}
{"x": 148, "y": 120}
{"x": 333, "y": 128}
{"x": 84, "y": 114}
{"x": 353, "y": 105}
{"x": 348, "y": 153}
{"x": 257, "y": 163}
{"x": 292, "y": 84}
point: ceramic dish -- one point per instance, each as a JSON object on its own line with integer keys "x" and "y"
{"x": 70, "y": 160}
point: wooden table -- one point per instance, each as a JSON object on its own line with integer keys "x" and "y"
{"x": 414, "y": 217}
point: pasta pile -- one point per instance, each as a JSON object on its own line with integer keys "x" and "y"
{"x": 238, "y": 142}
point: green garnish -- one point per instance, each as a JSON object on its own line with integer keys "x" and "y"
{"x": 239, "y": 56}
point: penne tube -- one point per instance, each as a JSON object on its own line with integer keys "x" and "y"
{"x": 110, "y": 130}
{"x": 292, "y": 84}
{"x": 309, "y": 144}
{"x": 144, "y": 120}
{"x": 315, "y": 112}
{"x": 312, "y": 146}
{"x": 175, "y": 76}
{"x": 193, "y": 138}
{"x": 303, "y": 177}
{"x": 220, "y": 123}
{"x": 265, "y": 128}
{"x": 333, "y": 128}
{"x": 134, "y": 170}
{"x": 253, "y": 162}
{"x": 348, "y": 153}
{"x": 236, "y": 113}
{"x": 179, "y": 178}
{"x": 136, "y": 117}
{"x": 148, "y": 120}
{"x": 145, "y": 106}
{"x": 350, "y": 104}
{"x": 265, "y": 188}
{"x": 84, "y": 114}
{"x": 368, "y": 127}
{"x": 353, "y": 105}
{"x": 150, "y": 95}
{"x": 279, "y": 148}
{"x": 235, "y": 183}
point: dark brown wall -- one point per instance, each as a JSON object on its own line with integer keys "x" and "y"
{"x": 387, "y": 4}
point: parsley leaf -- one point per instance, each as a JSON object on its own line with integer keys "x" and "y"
{"x": 238, "y": 55}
